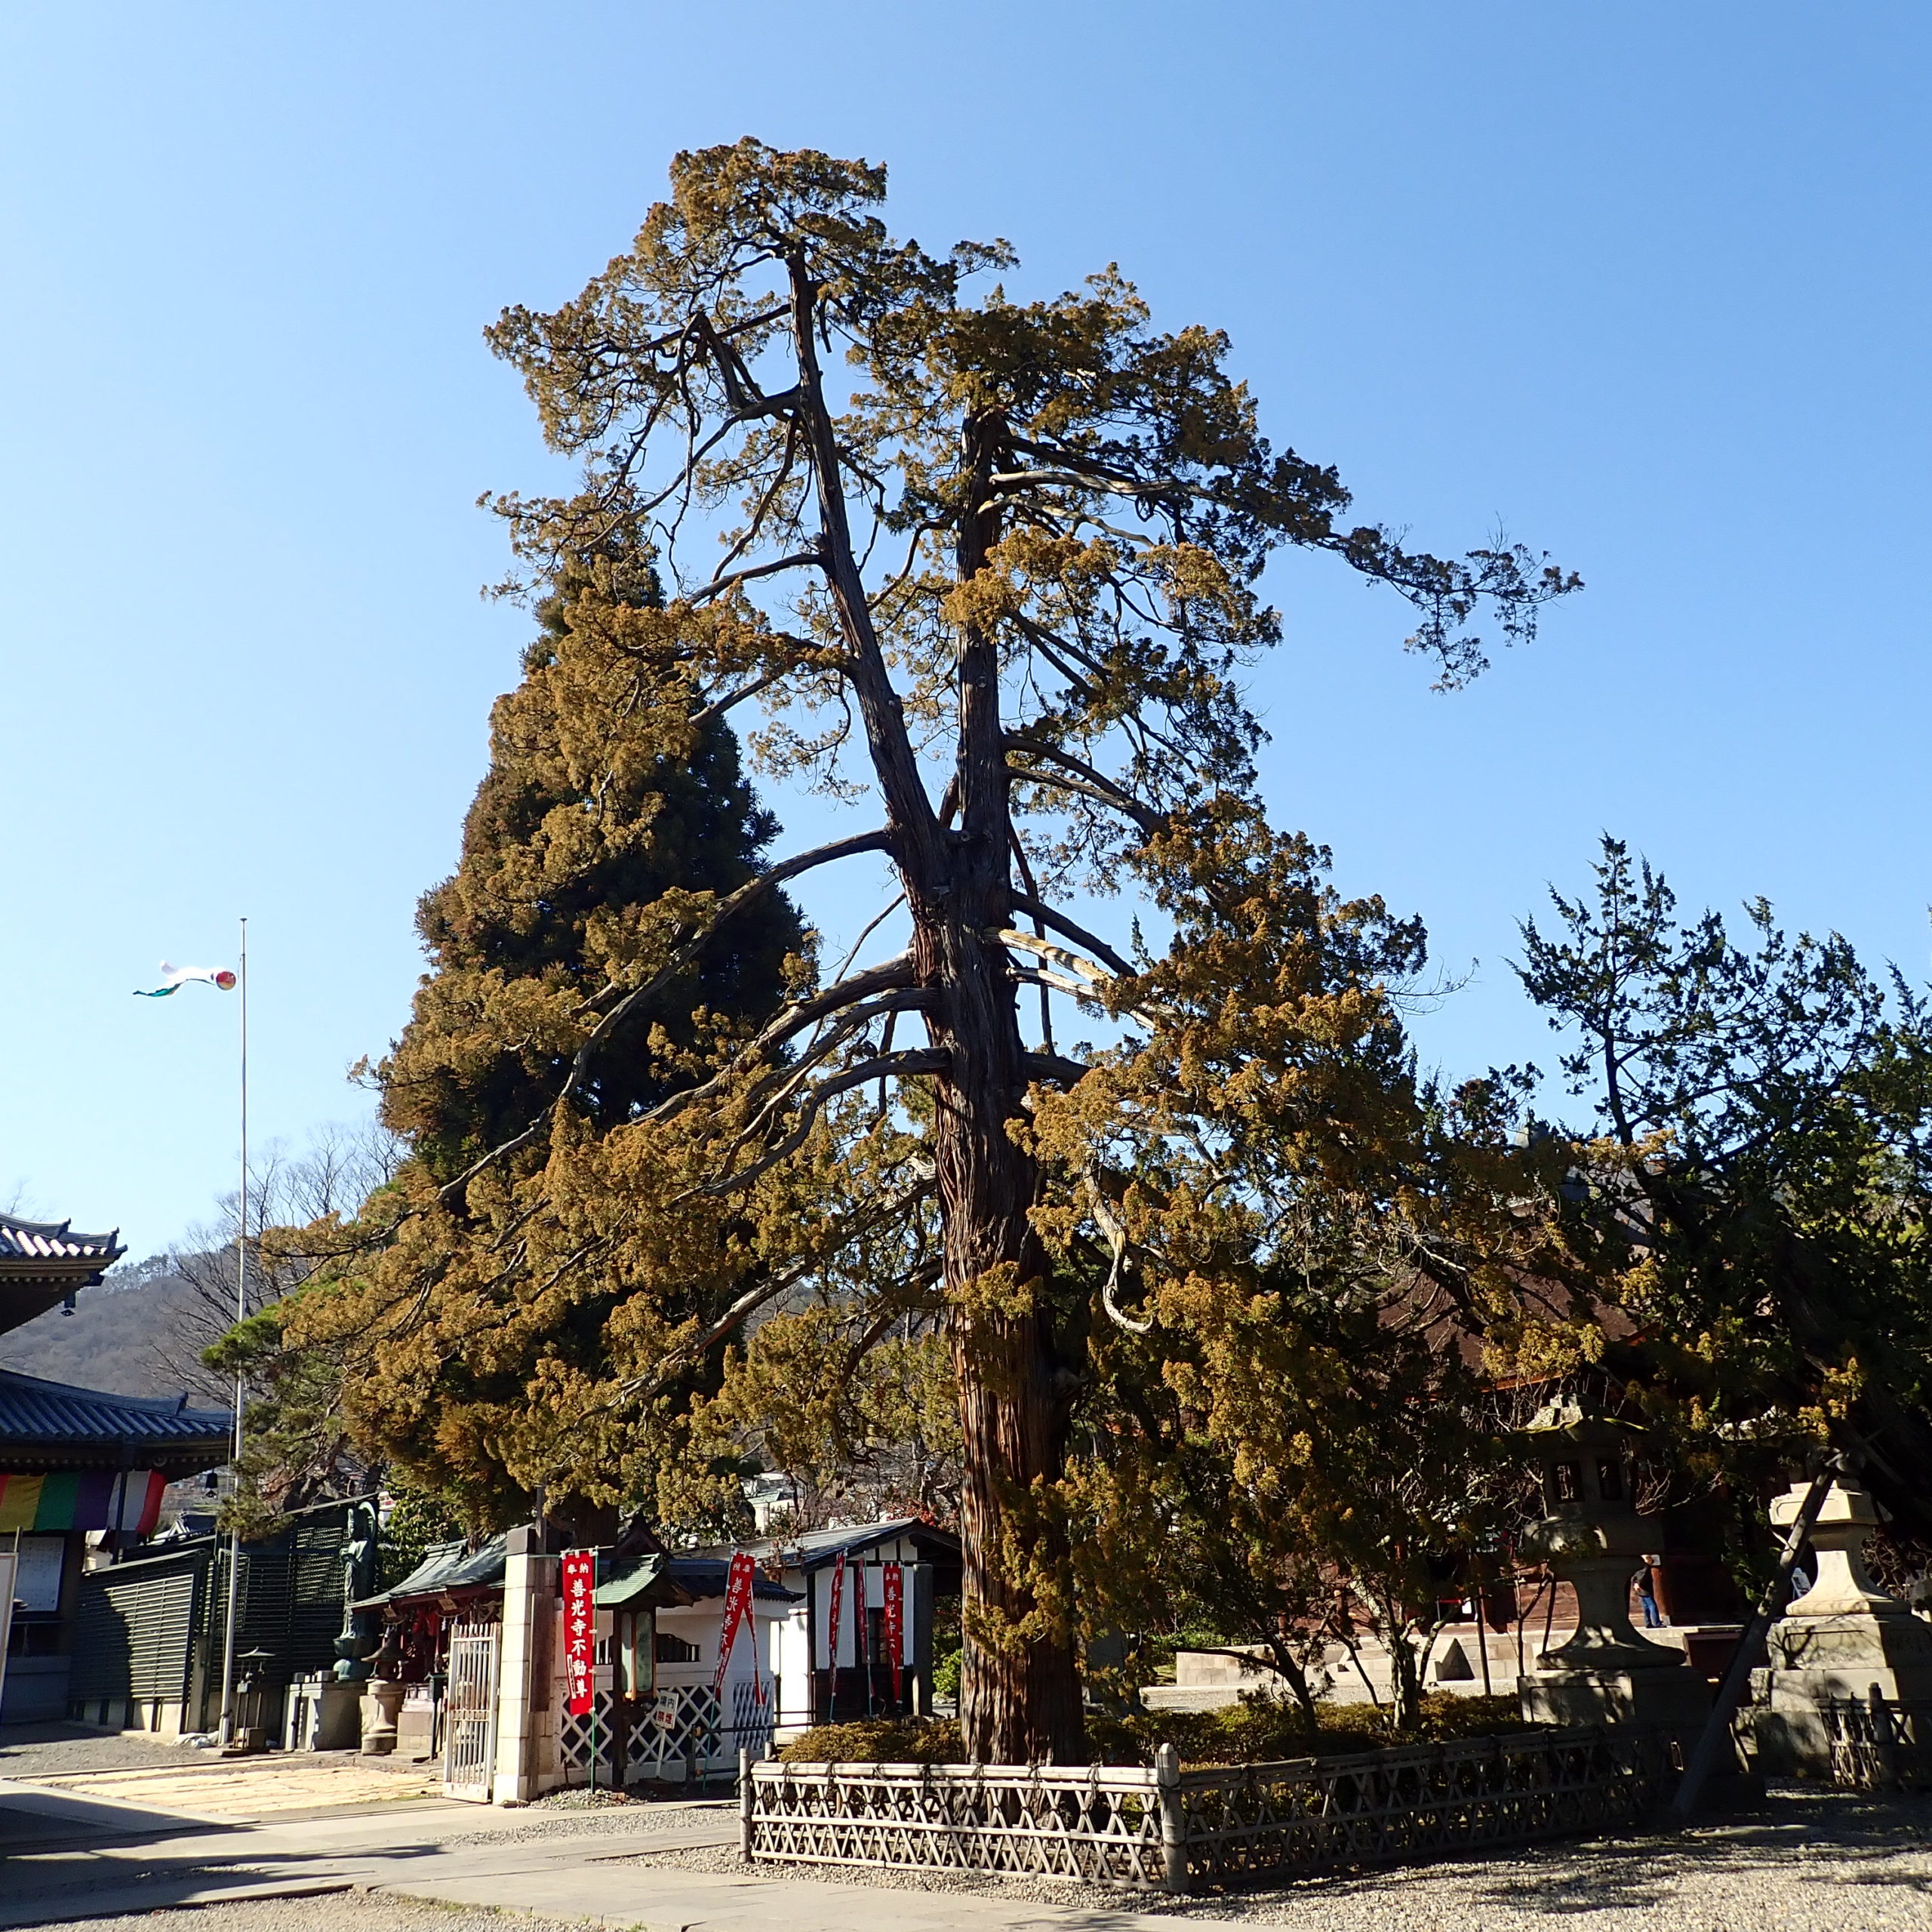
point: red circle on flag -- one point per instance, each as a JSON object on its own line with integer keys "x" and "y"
{"x": 225, "y": 981}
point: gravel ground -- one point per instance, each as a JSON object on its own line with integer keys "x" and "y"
{"x": 47, "y": 1750}
{"x": 363, "y": 1910}
{"x": 1808, "y": 1861}
{"x": 613, "y": 1821}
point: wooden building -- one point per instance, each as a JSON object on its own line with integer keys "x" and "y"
{"x": 76, "y": 1464}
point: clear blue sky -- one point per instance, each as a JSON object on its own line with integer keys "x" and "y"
{"x": 1648, "y": 283}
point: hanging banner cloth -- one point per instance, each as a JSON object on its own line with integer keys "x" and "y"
{"x": 892, "y": 1580}
{"x": 579, "y": 1585}
{"x": 737, "y": 1607}
{"x": 860, "y": 1650}
{"x": 831, "y": 1622}
{"x": 82, "y": 1499}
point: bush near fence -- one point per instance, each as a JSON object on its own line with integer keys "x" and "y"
{"x": 1258, "y": 1729}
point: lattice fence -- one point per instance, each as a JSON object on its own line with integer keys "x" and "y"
{"x": 1879, "y": 1745}
{"x": 1099, "y": 1821}
{"x": 1409, "y": 1805}
{"x": 671, "y": 1732}
{"x": 1129, "y": 1826}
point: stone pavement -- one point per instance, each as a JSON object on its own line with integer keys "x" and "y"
{"x": 90, "y": 1858}
{"x": 80, "y": 1846}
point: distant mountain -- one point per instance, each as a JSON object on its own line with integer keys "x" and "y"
{"x": 135, "y": 1335}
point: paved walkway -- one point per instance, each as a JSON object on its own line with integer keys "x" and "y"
{"x": 77, "y": 1847}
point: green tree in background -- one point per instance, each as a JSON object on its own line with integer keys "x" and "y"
{"x": 1760, "y": 1182}
{"x": 452, "y": 1325}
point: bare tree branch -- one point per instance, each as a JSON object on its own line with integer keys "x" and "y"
{"x": 908, "y": 1065}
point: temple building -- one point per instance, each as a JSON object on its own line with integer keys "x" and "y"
{"x": 73, "y": 1462}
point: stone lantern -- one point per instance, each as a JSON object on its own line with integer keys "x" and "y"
{"x": 1843, "y": 1641}
{"x": 1593, "y": 1538}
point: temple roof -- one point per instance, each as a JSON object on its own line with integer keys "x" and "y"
{"x": 42, "y": 1263}
{"x": 53, "y": 1425}
{"x": 26, "y": 1244}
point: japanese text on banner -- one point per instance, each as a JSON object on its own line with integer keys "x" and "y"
{"x": 579, "y": 1585}
{"x": 737, "y": 1607}
{"x": 892, "y": 1580}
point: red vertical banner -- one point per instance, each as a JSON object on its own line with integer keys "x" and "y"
{"x": 831, "y": 1622}
{"x": 831, "y": 1640}
{"x": 893, "y": 1581}
{"x": 580, "y": 1584}
{"x": 861, "y": 1648}
{"x": 737, "y": 1607}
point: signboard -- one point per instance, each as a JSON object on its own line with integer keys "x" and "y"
{"x": 737, "y": 1607}
{"x": 664, "y": 1711}
{"x": 892, "y": 1580}
{"x": 579, "y": 1582}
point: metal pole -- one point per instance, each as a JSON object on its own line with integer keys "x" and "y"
{"x": 241, "y": 1316}
{"x": 1482, "y": 1639}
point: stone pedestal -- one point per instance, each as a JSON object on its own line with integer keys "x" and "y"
{"x": 1838, "y": 1642}
{"x": 1593, "y": 1539}
{"x": 1677, "y": 1701}
{"x": 338, "y": 1725}
{"x": 382, "y": 1699}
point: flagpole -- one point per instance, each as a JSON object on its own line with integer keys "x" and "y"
{"x": 241, "y": 1314}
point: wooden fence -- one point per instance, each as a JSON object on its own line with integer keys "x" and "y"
{"x": 1163, "y": 1826}
{"x": 1879, "y": 1745}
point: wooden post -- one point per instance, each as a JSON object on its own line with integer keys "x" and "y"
{"x": 744, "y": 1803}
{"x": 1174, "y": 1828}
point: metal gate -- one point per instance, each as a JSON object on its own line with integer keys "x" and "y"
{"x": 469, "y": 1716}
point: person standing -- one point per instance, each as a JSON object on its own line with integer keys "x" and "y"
{"x": 1647, "y": 1594}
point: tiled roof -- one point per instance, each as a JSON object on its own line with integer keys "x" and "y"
{"x": 57, "y": 1419}
{"x": 448, "y": 1566}
{"x": 55, "y": 1242}
{"x": 703, "y": 1576}
{"x": 816, "y": 1547}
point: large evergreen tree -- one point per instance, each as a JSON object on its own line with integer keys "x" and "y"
{"x": 476, "y": 1300}
{"x": 1003, "y": 592}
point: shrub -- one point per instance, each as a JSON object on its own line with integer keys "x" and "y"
{"x": 879, "y": 1741}
{"x": 1259, "y": 1729}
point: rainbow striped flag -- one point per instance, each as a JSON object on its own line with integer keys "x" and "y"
{"x": 83, "y": 1499}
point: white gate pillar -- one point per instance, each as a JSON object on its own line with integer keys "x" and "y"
{"x": 528, "y": 1757}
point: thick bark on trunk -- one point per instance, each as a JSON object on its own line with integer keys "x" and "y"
{"x": 1021, "y": 1699}
{"x": 1020, "y": 1702}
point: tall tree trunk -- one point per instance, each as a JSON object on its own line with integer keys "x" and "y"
{"x": 1020, "y": 1696}
{"x": 1020, "y": 1700}
{"x": 1020, "y": 1691}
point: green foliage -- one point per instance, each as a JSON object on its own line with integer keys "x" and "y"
{"x": 879, "y": 1741}
{"x": 1756, "y": 1200}
{"x": 605, "y": 817}
{"x": 1255, "y": 1730}
{"x": 478, "y": 1337}
{"x": 947, "y": 1670}
{"x": 1264, "y": 1730}
{"x": 415, "y": 1518}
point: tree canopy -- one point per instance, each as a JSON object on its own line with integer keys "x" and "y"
{"x": 1759, "y": 1176}
{"x": 1001, "y": 582}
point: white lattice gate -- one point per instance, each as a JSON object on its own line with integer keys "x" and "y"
{"x": 469, "y": 1716}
